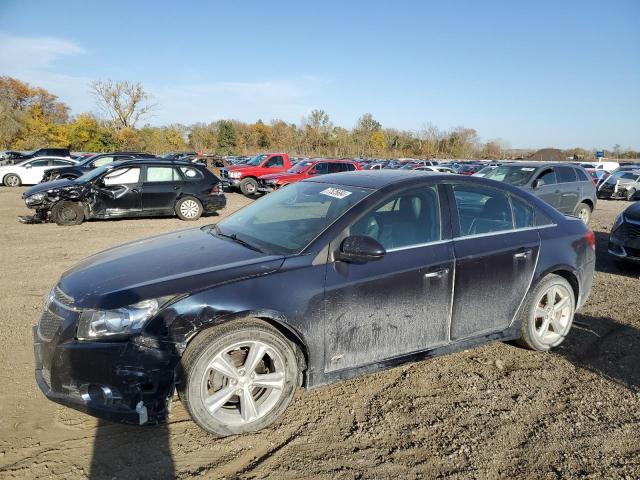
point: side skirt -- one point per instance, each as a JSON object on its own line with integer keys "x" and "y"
{"x": 317, "y": 379}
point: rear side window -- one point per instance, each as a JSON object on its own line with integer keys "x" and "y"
{"x": 523, "y": 213}
{"x": 336, "y": 167}
{"x": 192, "y": 174}
{"x": 482, "y": 210}
{"x": 582, "y": 175}
{"x": 566, "y": 174}
{"x": 349, "y": 167}
{"x": 321, "y": 168}
{"x": 162, "y": 174}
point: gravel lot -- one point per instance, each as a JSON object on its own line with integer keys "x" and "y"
{"x": 494, "y": 412}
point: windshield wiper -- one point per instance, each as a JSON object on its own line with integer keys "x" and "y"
{"x": 236, "y": 239}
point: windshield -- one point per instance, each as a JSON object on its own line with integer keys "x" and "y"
{"x": 300, "y": 167}
{"x": 257, "y": 160}
{"x": 512, "y": 174}
{"x": 95, "y": 173}
{"x": 287, "y": 220}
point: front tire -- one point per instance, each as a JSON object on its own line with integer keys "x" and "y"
{"x": 547, "y": 314}
{"x": 67, "y": 213}
{"x": 249, "y": 186}
{"x": 583, "y": 212}
{"x": 12, "y": 180}
{"x": 238, "y": 377}
{"x": 189, "y": 209}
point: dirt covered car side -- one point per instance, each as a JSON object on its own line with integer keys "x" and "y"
{"x": 143, "y": 187}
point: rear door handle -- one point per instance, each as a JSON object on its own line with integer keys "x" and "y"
{"x": 522, "y": 254}
{"x": 437, "y": 274}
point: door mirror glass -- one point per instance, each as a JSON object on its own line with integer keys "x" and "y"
{"x": 360, "y": 248}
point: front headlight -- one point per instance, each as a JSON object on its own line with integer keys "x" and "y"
{"x": 618, "y": 221}
{"x": 234, "y": 174}
{"x": 35, "y": 198}
{"x": 95, "y": 324}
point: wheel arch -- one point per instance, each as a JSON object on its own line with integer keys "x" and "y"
{"x": 568, "y": 274}
{"x": 588, "y": 202}
{"x": 274, "y": 319}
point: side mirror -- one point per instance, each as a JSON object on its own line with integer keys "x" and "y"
{"x": 28, "y": 166}
{"x": 313, "y": 171}
{"x": 535, "y": 184}
{"x": 360, "y": 248}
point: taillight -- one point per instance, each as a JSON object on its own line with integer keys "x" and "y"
{"x": 216, "y": 190}
{"x": 590, "y": 237}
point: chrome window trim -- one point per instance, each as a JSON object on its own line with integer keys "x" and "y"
{"x": 419, "y": 245}
{"x": 502, "y": 232}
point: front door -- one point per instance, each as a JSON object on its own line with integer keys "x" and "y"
{"x": 548, "y": 188}
{"x": 34, "y": 171}
{"x": 495, "y": 261}
{"x": 160, "y": 189}
{"x": 397, "y": 305}
{"x": 118, "y": 193}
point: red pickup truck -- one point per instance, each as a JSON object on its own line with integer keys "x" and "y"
{"x": 245, "y": 176}
{"x": 305, "y": 169}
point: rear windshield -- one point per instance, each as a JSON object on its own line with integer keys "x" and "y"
{"x": 512, "y": 174}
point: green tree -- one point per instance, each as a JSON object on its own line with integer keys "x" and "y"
{"x": 226, "y": 136}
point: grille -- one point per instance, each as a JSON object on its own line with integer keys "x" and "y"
{"x": 49, "y": 325}
{"x": 62, "y": 297}
{"x": 629, "y": 230}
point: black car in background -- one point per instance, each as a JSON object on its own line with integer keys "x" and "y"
{"x": 132, "y": 188}
{"x": 332, "y": 277}
{"x": 565, "y": 187}
{"x": 624, "y": 240}
{"x": 89, "y": 163}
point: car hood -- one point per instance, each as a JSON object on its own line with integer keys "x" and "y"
{"x": 633, "y": 211}
{"x": 175, "y": 263}
{"x": 46, "y": 186}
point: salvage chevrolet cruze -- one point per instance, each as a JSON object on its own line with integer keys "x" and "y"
{"x": 329, "y": 278}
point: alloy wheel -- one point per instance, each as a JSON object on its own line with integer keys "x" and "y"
{"x": 243, "y": 382}
{"x": 189, "y": 209}
{"x": 553, "y": 315}
{"x": 583, "y": 214}
{"x": 13, "y": 181}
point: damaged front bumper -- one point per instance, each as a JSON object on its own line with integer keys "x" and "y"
{"x": 123, "y": 382}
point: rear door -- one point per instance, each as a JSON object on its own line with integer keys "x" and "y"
{"x": 495, "y": 261}
{"x": 397, "y": 305}
{"x": 161, "y": 188}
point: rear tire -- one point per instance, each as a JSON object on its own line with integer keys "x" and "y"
{"x": 12, "y": 180}
{"x": 583, "y": 212}
{"x": 249, "y": 186}
{"x": 225, "y": 395}
{"x": 547, "y": 314}
{"x": 189, "y": 209}
{"x": 67, "y": 213}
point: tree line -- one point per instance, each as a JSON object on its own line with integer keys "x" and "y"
{"x": 32, "y": 117}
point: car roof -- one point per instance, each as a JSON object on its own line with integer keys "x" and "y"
{"x": 539, "y": 164}
{"x": 152, "y": 161}
{"x": 375, "y": 179}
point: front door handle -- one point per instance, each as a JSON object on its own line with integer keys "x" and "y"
{"x": 135, "y": 190}
{"x": 437, "y": 274}
{"x": 176, "y": 187}
{"x": 522, "y": 254}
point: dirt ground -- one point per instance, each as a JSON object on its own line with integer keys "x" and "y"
{"x": 494, "y": 412}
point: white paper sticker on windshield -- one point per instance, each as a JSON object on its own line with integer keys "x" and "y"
{"x": 335, "y": 193}
{"x": 527, "y": 169}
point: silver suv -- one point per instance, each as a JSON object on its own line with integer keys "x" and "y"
{"x": 566, "y": 187}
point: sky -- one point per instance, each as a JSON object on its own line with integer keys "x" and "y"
{"x": 534, "y": 73}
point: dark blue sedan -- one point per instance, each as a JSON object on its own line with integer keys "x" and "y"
{"x": 329, "y": 278}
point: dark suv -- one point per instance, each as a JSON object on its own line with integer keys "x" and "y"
{"x": 563, "y": 186}
{"x": 88, "y": 164}
{"x": 134, "y": 188}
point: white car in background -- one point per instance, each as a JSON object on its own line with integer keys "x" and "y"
{"x": 29, "y": 172}
{"x": 435, "y": 169}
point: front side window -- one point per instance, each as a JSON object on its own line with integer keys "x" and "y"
{"x": 161, "y": 174}
{"x": 512, "y": 174}
{"x": 40, "y": 163}
{"x": 60, "y": 163}
{"x": 321, "y": 168}
{"x": 547, "y": 178}
{"x": 482, "y": 210}
{"x": 276, "y": 161}
{"x": 287, "y": 220}
{"x": 407, "y": 219}
{"x": 103, "y": 161}
{"x": 122, "y": 176}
